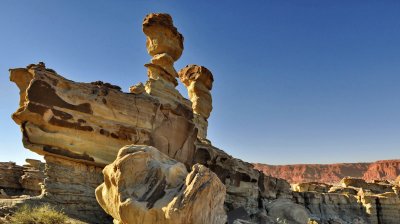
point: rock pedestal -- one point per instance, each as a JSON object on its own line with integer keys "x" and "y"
{"x": 165, "y": 44}
{"x": 198, "y": 80}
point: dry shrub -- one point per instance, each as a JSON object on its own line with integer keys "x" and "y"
{"x": 43, "y": 214}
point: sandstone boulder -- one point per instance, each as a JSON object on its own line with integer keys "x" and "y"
{"x": 285, "y": 211}
{"x": 145, "y": 186}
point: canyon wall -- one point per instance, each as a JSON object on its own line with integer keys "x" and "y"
{"x": 333, "y": 173}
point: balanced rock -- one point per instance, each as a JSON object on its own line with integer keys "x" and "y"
{"x": 145, "y": 186}
{"x": 198, "y": 81}
{"x": 165, "y": 44}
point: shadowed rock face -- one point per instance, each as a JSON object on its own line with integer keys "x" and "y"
{"x": 145, "y": 186}
{"x": 90, "y": 122}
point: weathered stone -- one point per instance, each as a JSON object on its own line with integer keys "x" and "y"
{"x": 137, "y": 89}
{"x": 285, "y": 211}
{"x": 376, "y": 188}
{"x": 198, "y": 81}
{"x": 71, "y": 185}
{"x": 165, "y": 44}
{"x": 90, "y": 122}
{"x": 9, "y": 178}
{"x": 311, "y": 186}
{"x": 274, "y": 188}
{"x": 240, "y": 179}
{"x": 33, "y": 177}
{"x": 145, "y": 186}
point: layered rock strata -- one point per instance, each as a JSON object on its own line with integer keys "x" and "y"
{"x": 355, "y": 201}
{"x": 70, "y": 186}
{"x": 198, "y": 81}
{"x": 80, "y": 127}
{"x": 10, "y": 173}
{"x": 18, "y": 180}
{"x": 145, "y": 186}
{"x": 33, "y": 177}
{"x": 333, "y": 173}
{"x": 88, "y": 122}
{"x": 165, "y": 44}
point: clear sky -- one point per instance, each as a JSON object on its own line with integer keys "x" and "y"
{"x": 308, "y": 81}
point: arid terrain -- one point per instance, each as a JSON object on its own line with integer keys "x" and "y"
{"x": 143, "y": 157}
{"x": 333, "y": 173}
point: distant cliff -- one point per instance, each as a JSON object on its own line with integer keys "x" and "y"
{"x": 333, "y": 173}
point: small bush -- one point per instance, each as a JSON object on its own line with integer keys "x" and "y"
{"x": 43, "y": 214}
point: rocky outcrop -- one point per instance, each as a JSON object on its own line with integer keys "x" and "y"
{"x": 145, "y": 186}
{"x": 198, "y": 81}
{"x": 165, "y": 44}
{"x": 18, "y": 180}
{"x": 171, "y": 173}
{"x": 71, "y": 185}
{"x": 10, "y": 173}
{"x": 311, "y": 186}
{"x": 33, "y": 177}
{"x": 333, "y": 173}
{"x": 356, "y": 201}
{"x": 375, "y": 187}
{"x": 88, "y": 122}
{"x": 382, "y": 170}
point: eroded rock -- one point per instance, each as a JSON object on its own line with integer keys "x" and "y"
{"x": 89, "y": 122}
{"x": 198, "y": 81}
{"x": 145, "y": 186}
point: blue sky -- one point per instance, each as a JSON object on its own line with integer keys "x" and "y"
{"x": 295, "y": 81}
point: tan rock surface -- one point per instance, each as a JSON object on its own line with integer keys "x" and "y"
{"x": 311, "y": 186}
{"x": 33, "y": 177}
{"x": 145, "y": 186}
{"x": 89, "y": 122}
{"x": 198, "y": 81}
{"x": 376, "y": 188}
{"x": 165, "y": 44}
{"x": 9, "y": 178}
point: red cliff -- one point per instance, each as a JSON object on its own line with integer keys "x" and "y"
{"x": 333, "y": 173}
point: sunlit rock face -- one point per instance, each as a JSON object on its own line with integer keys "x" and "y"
{"x": 198, "y": 81}
{"x": 89, "y": 122}
{"x": 145, "y": 186}
{"x": 165, "y": 44}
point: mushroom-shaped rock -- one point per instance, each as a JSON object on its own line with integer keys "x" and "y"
{"x": 162, "y": 35}
{"x": 165, "y": 44}
{"x": 198, "y": 81}
{"x": 145, "y": 186}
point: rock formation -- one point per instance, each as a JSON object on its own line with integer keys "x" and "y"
{"x": 80, "y": 128}
{"x": 311, "y": 186}
{"x": 18, "y": 180}
{"x": 33, "y": 177}
{"x": 333, "y": 173}
{"x": 198, "y": 80}
{"x": 145, "y": 186}
{"x": 10, "y": 173}
{"x": 165, "y": 44}
{"x": 89, "y": 122}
